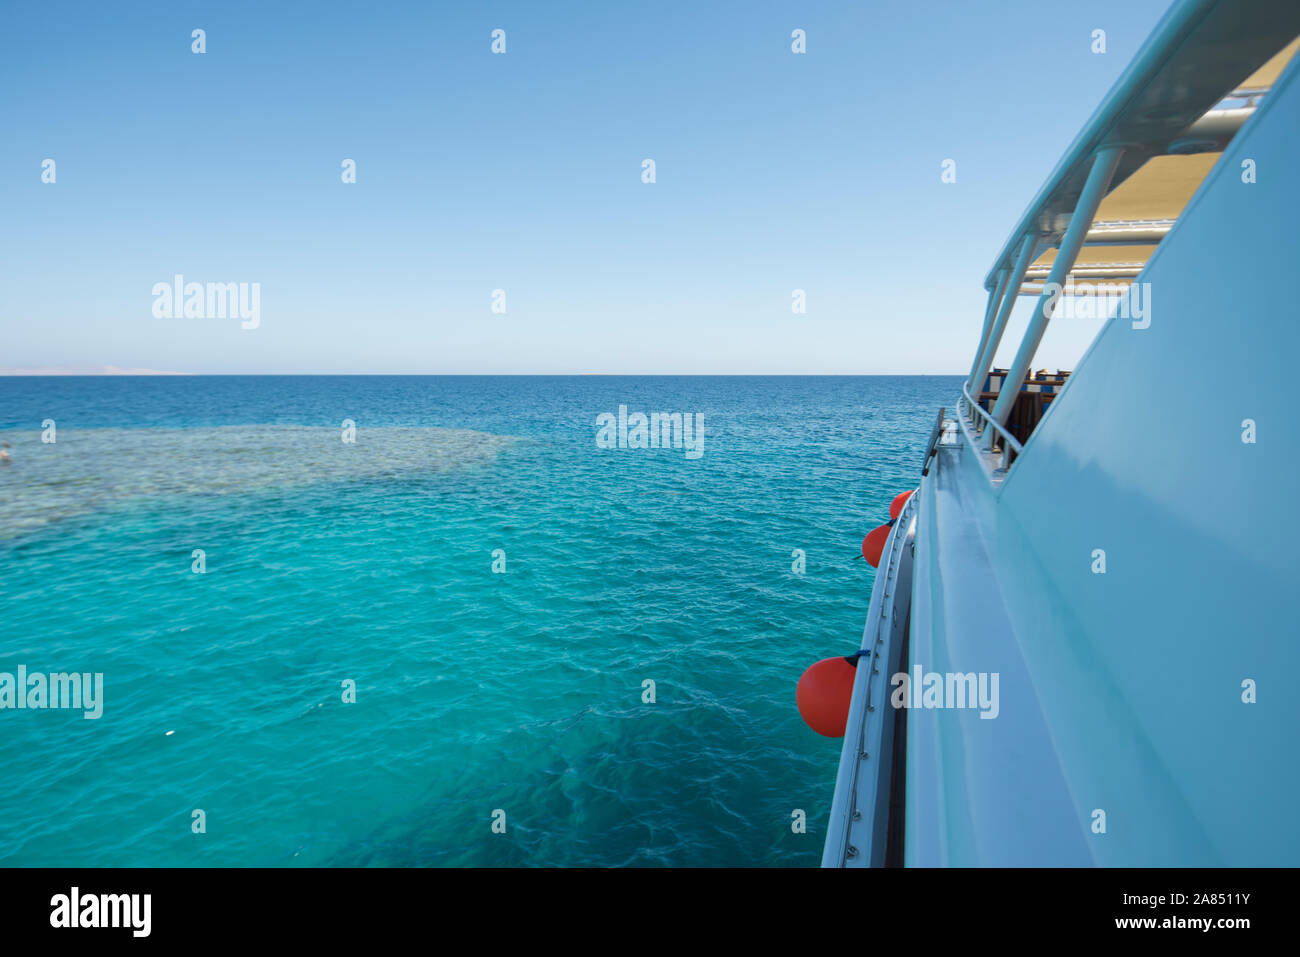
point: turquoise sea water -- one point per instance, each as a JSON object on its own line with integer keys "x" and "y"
{"x": 372, "y": 562}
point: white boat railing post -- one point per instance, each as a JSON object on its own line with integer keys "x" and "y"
{"x": 1027, "y": 250}
{"x": 1094, "y": 190}
{"x": 995, "y": 299}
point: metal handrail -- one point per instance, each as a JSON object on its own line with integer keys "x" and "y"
{"x": 1008, "y": 440}
{"x": 932, "y": 444}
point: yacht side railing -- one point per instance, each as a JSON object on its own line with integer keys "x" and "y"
{"x": 935, "y": 434}
{"x": 982, "y": 421}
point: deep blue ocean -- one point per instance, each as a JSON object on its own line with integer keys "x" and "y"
{"x": 371, "y": 561}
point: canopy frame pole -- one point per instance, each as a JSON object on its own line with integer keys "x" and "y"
{"x": 1017, "y": 276}
{"x": 995, "y": 300}
{"x": 1094, "y": 190}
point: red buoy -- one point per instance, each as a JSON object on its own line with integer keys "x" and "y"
{"x": 896, "y": 506}
{"x": 874, "y": 544}
{"x": 823, "y": 696}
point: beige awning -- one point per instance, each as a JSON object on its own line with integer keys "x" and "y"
{"x": 1138, "y": 213}
{"x": 1158, "y": 191}
{"x": 1173, "y": 113}
{"x": 1096, "y": 263}
{"x": 1267, "y": 75}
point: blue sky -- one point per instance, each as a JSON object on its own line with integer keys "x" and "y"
{"x": 522, "y": 172}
